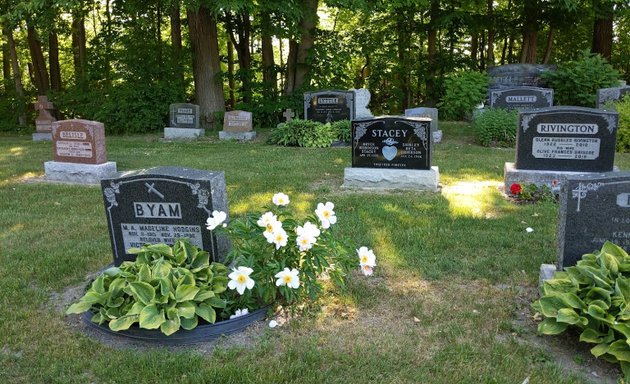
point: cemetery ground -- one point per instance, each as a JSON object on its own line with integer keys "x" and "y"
{"x": 449, "y": 301}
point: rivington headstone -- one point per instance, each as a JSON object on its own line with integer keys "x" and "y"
{"x": 161, "y": 204}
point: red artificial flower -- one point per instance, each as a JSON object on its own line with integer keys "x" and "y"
{"x": 515, "y": 189}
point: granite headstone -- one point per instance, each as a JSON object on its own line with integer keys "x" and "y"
{"x": 605, "y": 95}
{"x": 161, "y": 204}
{"x": 184, "y": 115}
{"x": 516, "y": 75}
{"x": 44, "y": 120}
{"x": 392, "y": 142}
{"x": 79, "y": 141}
{"x": 237, "y": 125}
{"x": 593, "y": 209}
{"x": 570, "y": 139}
{"x": 431, "y": 113}
{"x": 361, "y": 100}
{"x": 521, "y": 98}
{"x": 329, "y": 106}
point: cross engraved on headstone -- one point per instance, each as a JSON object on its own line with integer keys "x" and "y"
{"x": 152, "y": 189}
{"x": 580, "y": 192}
{"x": 288, "y": 115}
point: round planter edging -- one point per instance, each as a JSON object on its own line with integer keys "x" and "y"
{"x": 201, "y": 333}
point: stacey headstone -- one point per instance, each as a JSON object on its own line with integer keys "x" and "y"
{"x": 554, "y": 143}
{"x": 521, "y": 98}
{"x": 184, "y": 122}
{"x": 431, "y": 113}
{"x": 593, "y": 209}
{"x": 162, "y": 204}
{"x": 329, "y": 106}
{"x": 79, "y": 152}
{"x": 392, "y": 152}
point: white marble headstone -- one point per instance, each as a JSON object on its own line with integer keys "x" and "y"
{"x": 361, "y": 100}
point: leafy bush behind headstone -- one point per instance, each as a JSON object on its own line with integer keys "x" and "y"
{"x": 576, "y": 82}
{"x": 623, "y": 131}
{"x": 496, "y": 127}
{"x": 343, "y": 130}
{"x": 463, "y": 92}
{"x": 303, "y": 133}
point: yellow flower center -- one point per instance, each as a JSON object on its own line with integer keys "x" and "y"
{"x": 326, "y": 213}
{"x": 364, "y": 259}
{"x": 269, "y": 227}
{"x": 279, "y": 237}
{"x": 287, "y": 279}
{"x": 241, "y": 279}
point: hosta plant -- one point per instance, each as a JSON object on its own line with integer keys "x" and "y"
{"x": 165, "y": 288}
{"x": 592, "y": 297}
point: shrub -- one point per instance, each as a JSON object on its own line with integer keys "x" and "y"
{"x": 623, "y": 131}
{"x": 496, "y": 127}
{"x": 576, "y": 82}
{"x": 594, "y": 298}
{"x": 343, "y": 130}
{"x": 303, "y": 133}
{"x": 463, "y": 92}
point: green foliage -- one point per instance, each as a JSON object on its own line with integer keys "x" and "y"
{"x": 165, "y": 287}
{"x": 623, "y": 131}
{"x": 594, "y": 298}
{"x": 12, "y": 107}
{"x": 496, "y": 127}
{"x": 252, "y": 238}
{"x": 343, "y": 130}
{"x": 303, "y": 133}
{"x": 463, "y": 92}
{"x": 576, "y": 82}
{"x": 532, "y": 193}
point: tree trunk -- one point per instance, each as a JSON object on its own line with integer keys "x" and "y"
{"x": 243, "y": 29}
{"x": 230, "y": 65}
{"x": 176, "y": 40}
{"x": 530, "y": 31}
{"x": 206, "y": 64}
{"x": 17, "y": 75}
{"x": 297, "y": 68}
{"x": 404, "y": 46}
{"x": 549, "y": 46}
{"x": 490, "y": 54}
{"x": 434, "y": 12}
{"x": 53, "y": 61}
{"x": 482, "y": 53}
{"x": 270, "y": 84}
{"x": 504, "y": 51}
{"x": 40, "y": 73}
{"x": 6, "y": 61}
{"x": 603, "y": 28}
{"x": 474, "y": 48}
{"x": 79, "y": 50}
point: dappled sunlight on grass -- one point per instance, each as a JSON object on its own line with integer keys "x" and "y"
{"x": 301, "y": 203}
{"x": 20, "y": 178}
{"x": 474, "y": 198}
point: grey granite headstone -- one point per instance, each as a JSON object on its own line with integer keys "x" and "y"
{"x": 161, "y": 204}
{"x": 329, "y": 106}
{"x": 593, "y": 209}
{"x": 566, "y": 139}
{"x": 431, "y": 113}
{"x": 611, "y": 94}
{"x": 516, "y": 75}
{"x": 521, "y": 98}
{"x": 361, "y": 100}
{"x": 184, "y": 122}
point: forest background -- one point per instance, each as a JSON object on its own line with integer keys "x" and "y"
{"x": 122, "y": 62}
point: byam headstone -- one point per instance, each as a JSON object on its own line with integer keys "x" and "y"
{"x": 184, "y": 122}
{"x": 431, "y": 113}
{"x": 554, "y": 143}
{"x": 162, "y": 204}
{"x": 593, "y": 209}
{"x": 43, "y": 122}
{"x": 79, "y": 152}
{"x": 361, "y": 100}
{"x": 605, "y": 95}
{"x": 329, "y": 106}
{"x": 392, "y": 152}
{"x": 237, "y": 125}
{"x": 521, "y": 98}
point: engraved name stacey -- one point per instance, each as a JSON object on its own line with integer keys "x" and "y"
{"x": 390, "y": 133}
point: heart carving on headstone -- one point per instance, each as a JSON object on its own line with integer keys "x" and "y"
{"x": 390, "y": 152}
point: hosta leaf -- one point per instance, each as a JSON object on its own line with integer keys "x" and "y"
{"x": 93, "y": 297}
{"x": 600, "y": 349}
{"x": 98, "y": 285}
{"x": 597, "y": 293}
{"x": 572, "y": 300}
{"x": 136, "y": 308}
{"x": 550, "y": 326}
{"x": 591, "y": 335}
{"x": 622, "y": 328}
{"x": 203, "y": 294}
{"x": 161, "y": 249}
{"x": 620, "y": 350}
{"x": 170, "y": 326}
{"x": 151, "y": 317}
{"x": 144, "y": 274}
{"x": 550, "y": 305}
{"x": 122, "y": 323}
{"x": 597, "y": 276}
{"x": 112, "y": 271}
{"x": 161, "y": 269}
{"x": 189, "y": 324}
{"x": 598, "y": 313}
{"x": 79, "y": 307}
{"x": 201, "y": 259}
{"x": 555, "y": 285}
{"x": 185, "y": 292}
{"x": 615, "y": 250}
{"x": 622, "y": 289}
{"x": 115, "y": 303}
{"x": 576, "y": 275}
{"x": 216, "y": 302}
{"x": 186, "y": 309}
{"x": 116, "y": 286}
{"x": 610, "y": 262}
{"x": 568, "y": 315}
{"x": 143, "y": 292}
{"x": 602, "y": 304}
{"x": 165, "y": 287}
{"x": 206, "y": 312}
{"x": 97, "y": 318}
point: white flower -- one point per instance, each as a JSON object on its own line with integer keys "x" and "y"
{"x": 529, "y": 229}
{"x": 217, "y": 218}
{"x": 271, "y": 229}
{"x": 266, "y": 219}
{"x": 280, "y": 199}
{"x": 308, "y": 230}
{"x": 239, "y": 279}
{"x": 279, "y": 237}
{"x": 305, "y": 243}
{"x": 273, "y": 324}
{"x": 240, "y": 312}
{"x": 288, "y": 278}
{"x": 367, "y": 270}
{"x": 366, "y": 257}
{"x": 326, "y": 214}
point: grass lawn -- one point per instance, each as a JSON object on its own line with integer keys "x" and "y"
{"x": 449, "y": 301}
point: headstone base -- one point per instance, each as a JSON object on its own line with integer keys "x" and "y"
{"x": 183, "y": 133}
{"x": 79, "y": 173}
{"x": 240, "y": 136}
{"x": 381, "y": 179}
{"x": 42, "y": 136}
{"x": 552, "y": 179}
{"x": 547, "y": 271}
